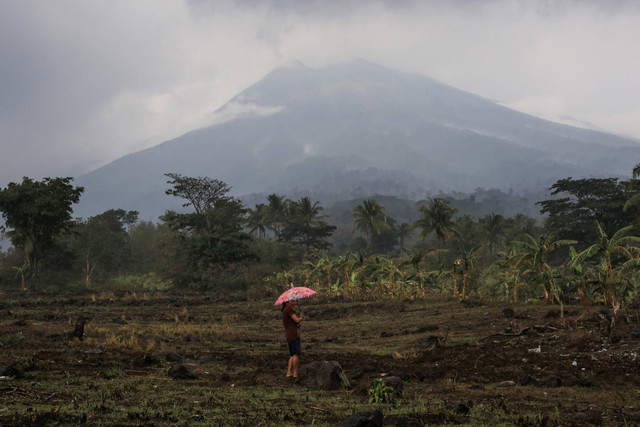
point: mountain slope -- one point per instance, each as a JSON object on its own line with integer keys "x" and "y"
{"x": 359, "y": 129}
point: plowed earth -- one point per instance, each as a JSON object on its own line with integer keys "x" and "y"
{"x": 470, "y": 363}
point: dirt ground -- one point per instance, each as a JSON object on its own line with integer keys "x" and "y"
{"x": 461, "y": 363}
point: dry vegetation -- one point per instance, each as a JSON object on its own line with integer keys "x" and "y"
{"x": 461, "y": 364}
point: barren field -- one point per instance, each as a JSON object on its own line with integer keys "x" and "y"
{"x": 471, "y": 363}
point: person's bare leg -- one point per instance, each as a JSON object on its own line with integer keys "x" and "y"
{"x": 295, "y": 364}
{"x": 290, "y": 367}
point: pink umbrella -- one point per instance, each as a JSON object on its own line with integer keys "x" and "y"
{"x": 295, "y": 293}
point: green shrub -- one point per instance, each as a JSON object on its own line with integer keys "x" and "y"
{"x": 380, "y": 392}
{"x": 147, "y": 282}
{"x": 11, "y": 339}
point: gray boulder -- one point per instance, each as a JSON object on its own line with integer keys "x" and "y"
{"x": 324, "y": 375}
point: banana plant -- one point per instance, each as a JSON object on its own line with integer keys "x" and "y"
{"x": 465, "y": 265}
{"x": 507, "y": 272}
{"x": 609, "y": 253}
{"x": 533, "y": 255}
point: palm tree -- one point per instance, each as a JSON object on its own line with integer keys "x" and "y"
{"x": 277, "y": 211}
{"x": 438, "y": 218}
{"x": 257, "y": 220}
{"x": 404, "y": 230}
{"x": 369, "y": 218}
{"x": 493, "y": 226}
{"x": 306, "y": 212}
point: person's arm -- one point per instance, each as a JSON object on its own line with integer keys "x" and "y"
{"x": 297, "y": 318}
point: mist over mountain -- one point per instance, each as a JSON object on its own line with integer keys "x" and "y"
{"x": 355, "y": 130}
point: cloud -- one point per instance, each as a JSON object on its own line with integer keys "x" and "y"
{"x": 84, "y": 83}
{"x": 235, "y": 110}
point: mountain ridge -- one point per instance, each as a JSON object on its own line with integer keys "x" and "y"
{"x": 303, "y": 129}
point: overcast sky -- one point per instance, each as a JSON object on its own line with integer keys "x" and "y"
{"x": 85, "y": 82}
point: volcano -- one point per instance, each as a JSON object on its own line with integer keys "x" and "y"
{"x": 354, "y": 130}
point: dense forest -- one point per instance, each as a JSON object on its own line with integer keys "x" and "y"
{"x": 584, "y": 244}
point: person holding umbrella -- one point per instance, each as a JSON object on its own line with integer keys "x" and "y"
{"x": 291, "y": 322}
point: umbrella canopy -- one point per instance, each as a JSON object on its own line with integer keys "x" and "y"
{"x": 294, "y": 293}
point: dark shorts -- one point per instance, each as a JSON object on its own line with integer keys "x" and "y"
{"x": 294, "y": 346}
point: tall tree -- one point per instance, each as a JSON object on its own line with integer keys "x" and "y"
{"x": 386, "y": 241}
{"x": 438, "y": 218}
{"x": 305, "y": 225}
{"x": 37, "y": 212}
{"x": 258, "y": 221}
{"x": 493, "y": 227}
{"x": 584, "y": 201}
{"x": 369, "y": 218}
{"x": 102, "y": 243}
{"x": 144, "y": 240}
{"x": 277, "y": 206}
{"x": 405, "y": 230}
{"x": 213, "y": 234}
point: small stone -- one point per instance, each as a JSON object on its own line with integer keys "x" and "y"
{"x": 174, "y": 357}
{"x": 12, "y": 372}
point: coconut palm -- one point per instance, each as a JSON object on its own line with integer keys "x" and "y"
{"x": 438, "y": 218}
{"x": 277, "y": 211}
{"x": 369, "y": 218}
{"x": 305, "y": 226}
{"x": 308, "y": 213}
{"x": 404, "y": 230}
{"x": 257, "y": 220}
{"x": 493, "y": 227}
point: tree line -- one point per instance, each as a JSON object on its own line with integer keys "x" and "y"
{"x": 585, "y": 245}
